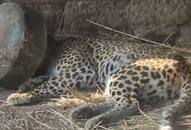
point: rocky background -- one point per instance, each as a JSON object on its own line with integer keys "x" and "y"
{"x": 23, "y": 44}
{"x": 157, "y": 20}
{"x": 164, "y": 21}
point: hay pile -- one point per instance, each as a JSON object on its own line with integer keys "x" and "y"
{"x": 53, "y": 115}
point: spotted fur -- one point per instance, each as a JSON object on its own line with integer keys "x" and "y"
{"x": 83, "y": 63}
{"x": 145, "y": 81}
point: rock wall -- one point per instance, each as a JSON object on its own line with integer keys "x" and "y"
{"x": 153, "y": 19}
{"x": 23, "y": 44}
{"x": 52, "y": 10}
{"x": 157, "y": 20}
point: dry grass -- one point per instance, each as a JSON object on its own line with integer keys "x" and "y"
{"x": 53, "y": 115}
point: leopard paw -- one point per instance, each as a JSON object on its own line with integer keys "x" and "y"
{"x": 79, "y": 113}
{"x": 19, "y": 98}
{"x": 93, "y": 123}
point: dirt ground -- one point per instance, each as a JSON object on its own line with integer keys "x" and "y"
{"x": 53, "y": 115}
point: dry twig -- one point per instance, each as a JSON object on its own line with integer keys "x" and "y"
{"x": 99, "y": 89}
{"x": 148, "y": 31}
{"x": 2, "y": 101}
{"x": 5, "y": 126}
{"x": 138, "y": 38}
{"x": 96, "y": 125}
{"x": 145, "y": 115}
{"x": 65, "y": 118}
{"x": 169, "y": 36}
{"x": 43, "y": 124}
{"x": 125, "y": 126}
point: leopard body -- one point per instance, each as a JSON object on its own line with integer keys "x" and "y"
{"x": 131, "y": 72}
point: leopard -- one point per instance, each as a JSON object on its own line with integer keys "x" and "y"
{"x": 145, "y": 81}
{"x": 81, "y": 63}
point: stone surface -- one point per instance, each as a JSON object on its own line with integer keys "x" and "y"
{"x": 152, "y": 19}
{"x": 23, "y": 39}
{"x": 11, "y": 35}
{"x": 52, "y": 10}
